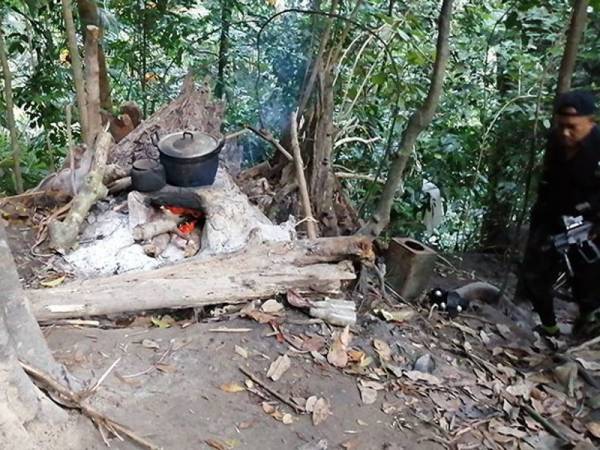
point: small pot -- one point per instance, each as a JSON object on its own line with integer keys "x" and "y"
{"x": 147, "y": 175}
{"x": 189, "y": 158}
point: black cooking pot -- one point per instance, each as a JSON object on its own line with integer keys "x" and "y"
{"x": 189, "y": 158}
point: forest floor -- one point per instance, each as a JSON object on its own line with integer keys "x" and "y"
{"x": 178, "y": 381}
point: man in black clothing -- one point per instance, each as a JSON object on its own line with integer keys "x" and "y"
{"x": 570, "y": 186}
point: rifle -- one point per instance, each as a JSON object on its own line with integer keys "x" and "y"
{"x": 578, "y": 234}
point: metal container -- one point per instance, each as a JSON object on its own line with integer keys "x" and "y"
{"x": 409, "y": 266}
{"x": 147, "y": 175}
{"x": 189, "y": 158}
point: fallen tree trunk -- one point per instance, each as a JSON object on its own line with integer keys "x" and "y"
{"x": 257, "y": 271}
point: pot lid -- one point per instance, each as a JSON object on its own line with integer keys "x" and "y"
{"x": 187, "y": 144}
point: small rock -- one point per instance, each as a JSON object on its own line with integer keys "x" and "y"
{"x": 425, "y": 363}
{"x": 271, "y": 306}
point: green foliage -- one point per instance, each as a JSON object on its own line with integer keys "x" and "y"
{"x": 504, "y": 57}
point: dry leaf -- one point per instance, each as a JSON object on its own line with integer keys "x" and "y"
{"x": 520, "y": 390}
{"x": 510, "y": 431}
{"x": 279, "y": 367}
{"x": 259, "y": 316}
{"x": 246, "y": 424}
{"x": 352, "y": 444}
{"x": 310, "y": 403}
{"x": 297, "y": 300}
{"x": 415, "y": 375}
{"x": 312, "y": 343}
{"x": 578, "y": 426}
{"x": 366, "y": 361}
{"x": 594, "y": 429}
{"x": 50, "y": 283}
{"x": 484, "y": 337}
{"x": 166, "y": 368}
{"x": 504, "y": 331}
{"x": 271, "y": 306}
{"x": 318, "y": 357}
{"x": 371, "y": 384}
{"x": 355, "y": 355}
{"x": 268, "y": 408}
{"x": 337, "y": 355}
{"x": 149, "y": 343}
{"x": 241, "y": 351}
{"x": 383, "y": 349}
{"x": 163, "y": 322}
{"x": 388, "y": 408}
{"x": 399, "y": 315}
{"x": 213, "y": 443}
{"x": 367, "y": 395}
{"x": 232, "y": 387}
{"x": 320, "y": 411}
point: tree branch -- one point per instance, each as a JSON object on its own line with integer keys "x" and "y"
{"x": 416, "y": 124}
{"x": 92, "y": 81}
{"x": 311, "y": 229}
{"x": 10, "y": 116}
{"x": 567, "y": 64}
{"x": 77, "y": 70}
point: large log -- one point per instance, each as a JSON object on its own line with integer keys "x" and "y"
{"x": 260, "y": 270}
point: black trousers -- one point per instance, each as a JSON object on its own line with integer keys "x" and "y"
{"x": 540, "y": 269}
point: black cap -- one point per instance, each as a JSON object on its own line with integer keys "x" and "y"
{"x": 581, "y": 102}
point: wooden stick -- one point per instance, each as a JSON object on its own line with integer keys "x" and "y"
{"x": 271, "y": 391}
{"x": 358, "y": 176}
{"x": 311, "y": 229}
{"x": 70, "y": 399}
{"x": 550, "y": 427}
{"x": 585, "y": 345}
{"x": 104, "y": 375}
{"x": 271, "y": 140}
{"x": 23, "y": 195}
{"x": 236, "y": 134}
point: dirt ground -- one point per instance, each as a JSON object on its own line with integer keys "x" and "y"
{"x": 182, "y": 406}
{"x": 420, "y": 381}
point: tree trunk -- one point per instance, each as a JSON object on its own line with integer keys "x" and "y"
{"x": 10, "y": 117}
{"x": 92, "y": 85}
{"x": 77, "y": 67}
{"x": 495, "y": 227}
{"x": 23, "y": 408}
{"x": 567, "y": 64}
{"x": 88, "y": 15}
{"x": 417, "y": 123}
{"x": 223, "y": 48}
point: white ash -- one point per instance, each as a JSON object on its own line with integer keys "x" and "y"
{"x": 108, "y": 248}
